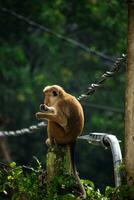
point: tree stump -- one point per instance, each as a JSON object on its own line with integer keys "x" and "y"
{"x": 58, "y": 162}
{"x": 60, "y": 178}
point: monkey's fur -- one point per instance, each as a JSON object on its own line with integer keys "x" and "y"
{"x": 65, "y": 120}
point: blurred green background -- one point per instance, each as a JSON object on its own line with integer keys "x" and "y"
{"x": 31, "y": 59}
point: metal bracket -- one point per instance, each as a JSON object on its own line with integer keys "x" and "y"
{"x": 107, "y": 141}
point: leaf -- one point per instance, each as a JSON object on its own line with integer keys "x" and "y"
{"x": 12, "y": 164}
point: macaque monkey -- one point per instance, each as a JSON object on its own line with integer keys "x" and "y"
{"x": 64, "y": 114}
{"x": 65, "y": 120}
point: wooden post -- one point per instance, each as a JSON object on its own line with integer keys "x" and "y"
{"x": 129, "y": 105}
{"x": 58, "y": 165}
{"x": 58, "y": 162}
{"x": 60, "y": 178}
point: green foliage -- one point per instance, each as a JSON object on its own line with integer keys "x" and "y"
{"x": 124, "y": 192}
{"x": 92, "y": 193}
{"x": 15, "y": 184}
{"x": 61, "y": 188}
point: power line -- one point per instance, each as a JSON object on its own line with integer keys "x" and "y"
{"x": 103, "y": 107}
{"x": 23, "y": 131}
{"x": 94, "y": 86}
{"x": 58, "y": 35}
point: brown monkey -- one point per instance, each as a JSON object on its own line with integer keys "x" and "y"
{"x": 65, "y": 119}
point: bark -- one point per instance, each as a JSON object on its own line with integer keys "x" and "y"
{"x": 129, "y": 106}
{"x": 4, "y": 149}
{"x": 59, "y": 167}
{"x": 58, "y": 162}
{"x": 61, "y": 173}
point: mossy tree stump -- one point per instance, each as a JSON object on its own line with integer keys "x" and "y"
{"x": 60, "y": 178}
{"x": 58, "y": 162}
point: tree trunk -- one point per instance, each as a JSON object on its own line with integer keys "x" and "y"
{"x": 4, "y": 149}
{"x": 129, "y": 106}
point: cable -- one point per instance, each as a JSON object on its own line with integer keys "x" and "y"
{"x": 94, "y": 86}
{"x": 58, "y": 35}
{"x": 23, "y": 131}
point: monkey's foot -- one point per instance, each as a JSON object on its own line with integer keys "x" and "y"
{"x": 51, "y": 142}
{"x": 48, "y": 143}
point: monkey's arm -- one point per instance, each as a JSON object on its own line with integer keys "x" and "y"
{"x": 43, "y": 115}
{"x": 50, "y": 113}
{"x": 46, "y": 112}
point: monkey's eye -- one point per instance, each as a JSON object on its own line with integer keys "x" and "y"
{"x": 54, "y": 93}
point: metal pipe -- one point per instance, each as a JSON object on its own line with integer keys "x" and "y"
{"x": 108, "y": 140}
{"x": 117, "y": 156}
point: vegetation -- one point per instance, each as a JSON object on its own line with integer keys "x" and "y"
{"x": 31, "y": 59}
{"x": 18, "y": 185}
{"x": 17, "y": 182}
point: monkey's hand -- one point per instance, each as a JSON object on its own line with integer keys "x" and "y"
{"x": 46, "y": 109}
{"x": 45, "y": 112}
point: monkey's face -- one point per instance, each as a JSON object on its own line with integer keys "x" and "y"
{"x": 53, "y": 94}
{"x": 51, "y": 97}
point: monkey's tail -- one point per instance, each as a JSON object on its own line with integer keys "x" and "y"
{"x": 72, "y": 153}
